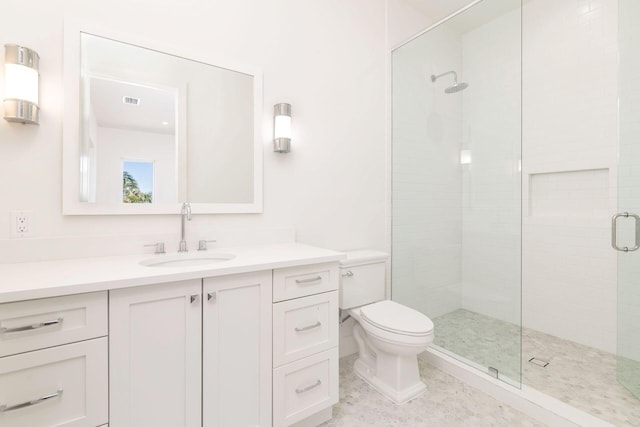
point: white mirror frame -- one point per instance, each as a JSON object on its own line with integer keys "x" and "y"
{"x": 71, "y": 204}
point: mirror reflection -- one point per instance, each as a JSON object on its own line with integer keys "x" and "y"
{"x": 158, "y": 129}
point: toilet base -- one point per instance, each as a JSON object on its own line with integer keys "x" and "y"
{"x": 368, "y": 375}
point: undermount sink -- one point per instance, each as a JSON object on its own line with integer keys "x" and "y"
{"x": 186, "y": 259}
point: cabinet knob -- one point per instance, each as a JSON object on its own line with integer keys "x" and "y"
{"x": 211, "y": 296}
{"x": 194, "y": 298}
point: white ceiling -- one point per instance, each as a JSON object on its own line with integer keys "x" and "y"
{"x": 478, "y": 15}
{"x": 156, "y": 106}
{"x": 438, "y": 9}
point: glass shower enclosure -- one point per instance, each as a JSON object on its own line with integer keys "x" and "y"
{"x": 456, "y": 174}
{"x": 628, "y": 235}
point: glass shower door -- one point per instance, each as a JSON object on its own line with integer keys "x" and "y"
{"x": 625, "y": 222}
{"x": 456, "y": 195}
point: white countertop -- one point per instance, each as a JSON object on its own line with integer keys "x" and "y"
{"x": 29, "y": 280}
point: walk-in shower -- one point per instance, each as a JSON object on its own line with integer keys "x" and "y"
{"x": 455, "y": 87}
{"x": 502, "y": 196}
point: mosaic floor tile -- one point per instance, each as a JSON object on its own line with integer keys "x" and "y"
{"x": 579, "y": 375}
{"x": 448, "y": 402}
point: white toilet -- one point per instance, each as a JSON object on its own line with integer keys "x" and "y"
{"x": 389, "y": 335}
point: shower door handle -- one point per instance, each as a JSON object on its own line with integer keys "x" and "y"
{"x": 614, "y": 232}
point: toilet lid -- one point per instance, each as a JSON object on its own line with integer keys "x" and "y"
{"x": 394, "y": 317}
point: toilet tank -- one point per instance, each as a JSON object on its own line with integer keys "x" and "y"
{"x": 362, "y": 278}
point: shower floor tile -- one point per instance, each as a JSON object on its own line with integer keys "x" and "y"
{"x": 448, "y": 402}
{"x": 581, "y": 376}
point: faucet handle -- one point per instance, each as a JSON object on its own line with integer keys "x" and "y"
{"x": 202, "y": 244}
{"x": 159, "y": 247}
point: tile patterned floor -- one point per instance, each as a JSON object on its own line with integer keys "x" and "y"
{"x": 581, "y": 376}
{"x": 448, "y": 402}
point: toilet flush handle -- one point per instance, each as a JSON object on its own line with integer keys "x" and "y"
{"x": 348, "y": 274}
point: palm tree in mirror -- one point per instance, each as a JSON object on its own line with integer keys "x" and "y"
{"x": 131, "y": 193}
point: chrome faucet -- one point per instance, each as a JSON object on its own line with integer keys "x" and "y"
{"x": 186, "y": 215}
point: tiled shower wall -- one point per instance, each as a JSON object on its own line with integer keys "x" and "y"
{"x": 570, "y": 89}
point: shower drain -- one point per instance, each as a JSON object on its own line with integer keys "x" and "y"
{"x": 539, "y": 362}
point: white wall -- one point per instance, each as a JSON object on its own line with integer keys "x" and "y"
{"x": 326, "y": 58}
{"x": 405, "y": 20}
{"x": 569, "y": 169}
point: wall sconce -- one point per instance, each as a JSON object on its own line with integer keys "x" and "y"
{"x": 282, "y": 128}
{"x": 21, "y": 84}
{"x": 465, "y": 157}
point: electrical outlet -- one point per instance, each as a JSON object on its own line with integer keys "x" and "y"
{"x": 20, "y": 224}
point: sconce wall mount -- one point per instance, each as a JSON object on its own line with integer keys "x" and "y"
{"x": 21, "y": 66}
{"x": 282, "y": 128}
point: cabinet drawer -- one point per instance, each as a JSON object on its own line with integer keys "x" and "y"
{"x": 304, "y": 326}
{"x": 304, "y": 387}
{"x": 36, "y": 324}
{"x": 296, "y": 282}
{"x": 59, "y": 386}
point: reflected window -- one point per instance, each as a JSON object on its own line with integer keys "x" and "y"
{"x": 137, "y": 181}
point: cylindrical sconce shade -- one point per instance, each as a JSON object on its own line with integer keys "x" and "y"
{"x": 282, "y": 128}
{"x": 21, "y": 84}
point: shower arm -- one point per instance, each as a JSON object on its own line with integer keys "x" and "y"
{"x": 455, "y": 76}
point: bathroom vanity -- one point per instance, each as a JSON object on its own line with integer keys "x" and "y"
{"x": 248, "y": 338}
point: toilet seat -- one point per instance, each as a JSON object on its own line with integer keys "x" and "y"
{"x": 396, "y": 318}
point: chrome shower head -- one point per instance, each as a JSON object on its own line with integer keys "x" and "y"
{"x": 456, "y": 87}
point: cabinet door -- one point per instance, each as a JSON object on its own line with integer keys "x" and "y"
{"x": 155, "y": 352}
{"x": 237, "y": 350}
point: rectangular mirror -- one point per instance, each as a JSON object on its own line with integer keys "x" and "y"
{"x": 146, "y": 129}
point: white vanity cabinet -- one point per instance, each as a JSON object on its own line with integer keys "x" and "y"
{"x": 53, "y": 369}
{"x": 155, "y": 355}
{"x": 113, "y": 342}
{"x": 305, "y": 344}
{"x": 192, "y": 353}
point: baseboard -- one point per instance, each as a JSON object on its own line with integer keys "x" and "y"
{"x": 347, "y": 346}
{"x": 315, "y": 419}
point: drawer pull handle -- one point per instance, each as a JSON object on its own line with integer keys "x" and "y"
{"x": 44, "y": 324}
{"x": 5, "y": 408}
{"x": 309, "y": 387}
{"x": 306, "y": 328}
{"x": 308, "y": 281}
{"x": 348, "y": 274}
